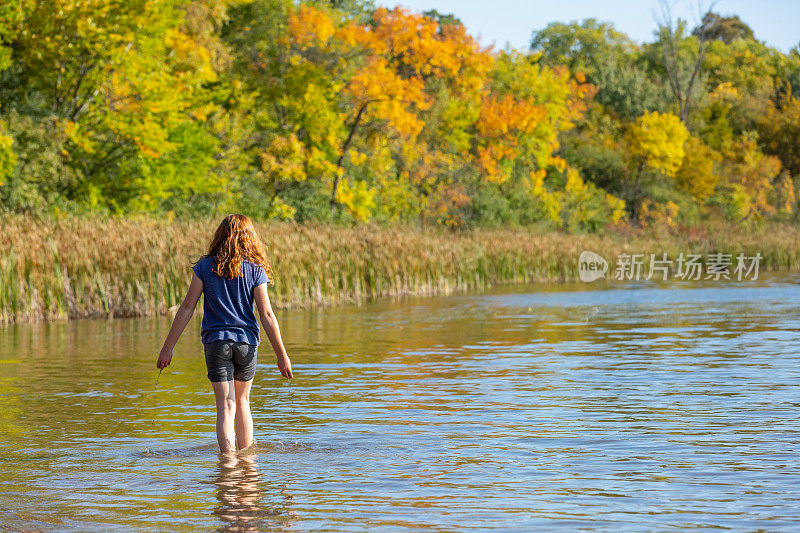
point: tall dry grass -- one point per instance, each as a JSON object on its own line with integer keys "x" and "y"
{"x": 136, "y": 266}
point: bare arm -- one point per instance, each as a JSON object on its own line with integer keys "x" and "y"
{"x": 270, "y": 324}
{"x": 182, "y": 317}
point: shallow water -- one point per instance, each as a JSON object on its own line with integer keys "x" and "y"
{"x": 621, "y": 407}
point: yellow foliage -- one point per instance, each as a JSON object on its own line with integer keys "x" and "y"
{"x": 779, "y": 131}
{"x": 359, "y": 198}
{"x": 284, "y": 159}
{"x": 522, "y": 113}
{"x": 202, "y": 112}
{"x": 321, "y": 122}
{"x": 356, "y": 158}
{"x": 194, "y": 55}
{"x": 396, "y": 197}
{"x": 697, "y": 174}
{"x": 577, "y": 204}
{"x": 617, "y": 207}
{"x": 77, "y": 135}
{"x": 574, "y": 184}
{"x": 782, "y": 194}
{"x": 658, "y": 139}
{"x": 318, "y": 164}
{"x": 551, "y": 201}
{"x": 8, "y": 159}
{"x": 389, "y": 96}
{"x": 586, "y": 204}
{"x": 746, "y": 166}
{"x": 725, "y": 91}
{"x": 558, "y": 163}
{"x": 281, "y": 210}
{"x": 736, "y": 204}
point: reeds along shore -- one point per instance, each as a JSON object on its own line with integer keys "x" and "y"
{"x": 138, "y": 266}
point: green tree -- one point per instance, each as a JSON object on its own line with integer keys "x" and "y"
{"x": 726, "y": 29}
{"x": 580, "y": 47}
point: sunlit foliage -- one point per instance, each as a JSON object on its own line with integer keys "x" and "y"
{"x": 347, "y": 112}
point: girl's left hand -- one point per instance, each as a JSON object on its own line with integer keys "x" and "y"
{"x": 164, "y": 358}
{"x": 285, "y": 366}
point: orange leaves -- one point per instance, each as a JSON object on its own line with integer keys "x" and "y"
{"x": 388, "y": 96}
{"x": 507, "y": 116}
{"x": 522, "y": 113}
{"x": 413, "y": 43}
{"x": 399, "y": 52}
{"x": 417, "y": 46}
{"x": 310, "y": 27}
{"x": 405, "y": 81}
{"x": 503, "y": 122}
{"x": 403, "y": 50}
{"x": 579, "y": 91}
{"x": 495, "y": 161}
{"x": 448, "y": 204}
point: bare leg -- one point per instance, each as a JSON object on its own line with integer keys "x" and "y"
{"x": 244, "y": 421}
{"x": 224, "y": 396}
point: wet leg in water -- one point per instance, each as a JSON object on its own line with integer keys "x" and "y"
{"x": 244, "y": 421}
{"x": 224, "y": 395}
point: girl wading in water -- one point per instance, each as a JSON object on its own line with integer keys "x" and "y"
{"x": 233, "y": 274}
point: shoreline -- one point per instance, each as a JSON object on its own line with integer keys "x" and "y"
{"x": 137, "y": 266}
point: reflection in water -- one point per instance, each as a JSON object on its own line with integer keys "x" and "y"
{"x": 242, "y": 505}
{"x": 238, "y": 492}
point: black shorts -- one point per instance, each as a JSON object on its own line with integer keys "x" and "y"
{"x": 227, "y": 360}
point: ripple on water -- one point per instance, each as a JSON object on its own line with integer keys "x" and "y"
{"x": 636, "y": 407}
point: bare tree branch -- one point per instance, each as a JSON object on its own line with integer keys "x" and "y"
{"x": 668, "y": 29}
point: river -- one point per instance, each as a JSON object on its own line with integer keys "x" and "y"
{"x": 621, "y": 407}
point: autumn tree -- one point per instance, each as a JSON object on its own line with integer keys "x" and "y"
{"x": 125, "y": 83}
{"x": 697, "y": 174}
{"x": 341, "y": 111}
{"x": 656, "y": 146}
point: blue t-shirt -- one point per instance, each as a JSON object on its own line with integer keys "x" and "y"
{"x": 228, "y": 303}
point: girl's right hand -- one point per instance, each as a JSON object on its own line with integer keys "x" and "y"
{"x": 164, "y": 358}
{"x": 285, "y": 366}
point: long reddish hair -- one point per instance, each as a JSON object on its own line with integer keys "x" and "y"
{"x": 234, "y": 241}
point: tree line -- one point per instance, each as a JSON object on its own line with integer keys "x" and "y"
{"x": 341, "y": 111}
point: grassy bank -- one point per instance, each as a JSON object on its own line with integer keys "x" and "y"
{"x": 134, "y": 266}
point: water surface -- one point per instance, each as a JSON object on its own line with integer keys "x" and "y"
{"x": 616, "y": 407}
